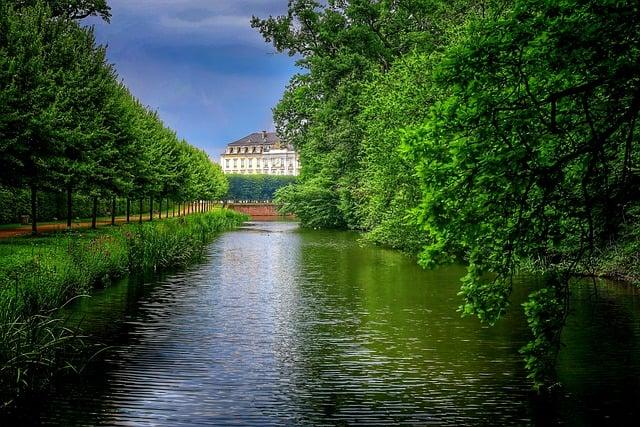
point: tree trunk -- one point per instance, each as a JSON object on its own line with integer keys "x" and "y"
{"x": 128, "y": 209}
{"x": 160, "y": 209}
{"x": 34, "y": 210}
{"x": 141, "y": 203}
{"x": 173, "y": 209}
{"x": 167, "y": 215}
{"x": 94, "y": 213}
{"x": 69, "y": 208}
{"x": 113, "y": 211}
{"x": 150, "y": 208}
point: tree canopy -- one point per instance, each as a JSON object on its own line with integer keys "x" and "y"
{"x": 257, "y": 187}
{"x": 500, "y": 134}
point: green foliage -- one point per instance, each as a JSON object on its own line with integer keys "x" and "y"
{"x": 388, "y": 187}
{"x": 499, "y": 134}
{"x": 545, "y": 311}
{"x": 340, "y": 114}
{"x": 527, "y": 154}
{"x": 314, "y": 205}
{"x": 256, "y": 187}
{"x": 620, "y": 258}
{"x": 67, "y": 124}
{"x": 343, "y": 45}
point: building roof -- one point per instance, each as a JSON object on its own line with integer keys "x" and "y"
{"x": 256, "y": 138}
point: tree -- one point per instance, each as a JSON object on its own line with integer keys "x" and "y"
{"x": 343, "y": 45}
{"x": 256, "y": 187}
{"x": 528, "y": 155}
{"x": 67, "y": 124}
{"x": 93, "y": 151}
{"x": 33, "y": 48}
{"x": 389, "y": 189}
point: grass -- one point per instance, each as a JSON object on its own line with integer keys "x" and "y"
{"x": 40, "y": 274}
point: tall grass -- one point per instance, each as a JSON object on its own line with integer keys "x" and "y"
{"x": 38, "y": 275}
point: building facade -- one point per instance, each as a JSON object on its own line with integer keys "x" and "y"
{"x": 260, "y": 153}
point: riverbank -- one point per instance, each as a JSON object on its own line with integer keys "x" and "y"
{"x": 38, "y": 275}
{"x": 619, "y": 261}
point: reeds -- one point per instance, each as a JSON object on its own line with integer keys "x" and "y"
{"x": 31, "y": 353}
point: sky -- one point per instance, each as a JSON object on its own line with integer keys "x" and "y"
{"x": 212, "y": 78}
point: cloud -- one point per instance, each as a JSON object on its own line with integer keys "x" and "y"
{"x": 199, "y": 63}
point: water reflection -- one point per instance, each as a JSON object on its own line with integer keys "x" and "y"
{"x": 284, "y": 326}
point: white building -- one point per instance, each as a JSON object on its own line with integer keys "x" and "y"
{"x": 260, "y": 153}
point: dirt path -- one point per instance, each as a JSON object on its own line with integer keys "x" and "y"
{"x": 50, "y": 227}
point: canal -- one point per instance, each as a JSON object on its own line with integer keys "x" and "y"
{"x": 280, "y": 325}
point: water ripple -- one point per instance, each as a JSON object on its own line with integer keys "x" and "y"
{"x": 287, "y": 327}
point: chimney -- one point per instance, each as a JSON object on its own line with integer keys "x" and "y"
{"x": 264, "y": 135}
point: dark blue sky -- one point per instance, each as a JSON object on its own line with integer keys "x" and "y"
{"x": 210, "y": 75}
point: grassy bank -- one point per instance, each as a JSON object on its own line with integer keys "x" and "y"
{"x": 619, "y": 261}
{"x": 38, "y": 275}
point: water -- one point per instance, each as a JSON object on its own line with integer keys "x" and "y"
{"x": 284, "y": 326}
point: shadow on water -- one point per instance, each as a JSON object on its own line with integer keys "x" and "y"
{"x": 286, "y": 326}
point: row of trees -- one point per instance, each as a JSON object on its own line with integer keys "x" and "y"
{"x": 496, "y": 132}
{"x": 256, "y": 187}
{"x": 68, "y": 125}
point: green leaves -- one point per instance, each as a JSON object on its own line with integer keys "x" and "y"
{"x": 66, "y": 123}
{"x": 545, "y": 311}
{"x": 347, "y": 47}
{"x": 256, "y": 187}
{"x": 521, "y": 157}
{"x": 497, "y": 134}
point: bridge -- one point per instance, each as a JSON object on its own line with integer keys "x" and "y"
{"x": 254, "y": 209}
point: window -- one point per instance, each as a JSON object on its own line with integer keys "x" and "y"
{"x": 250, "y": 163}
{"x": 227, "y": 163}
{"x": 235, "y": 163}
{"x": 242, "y": 163}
